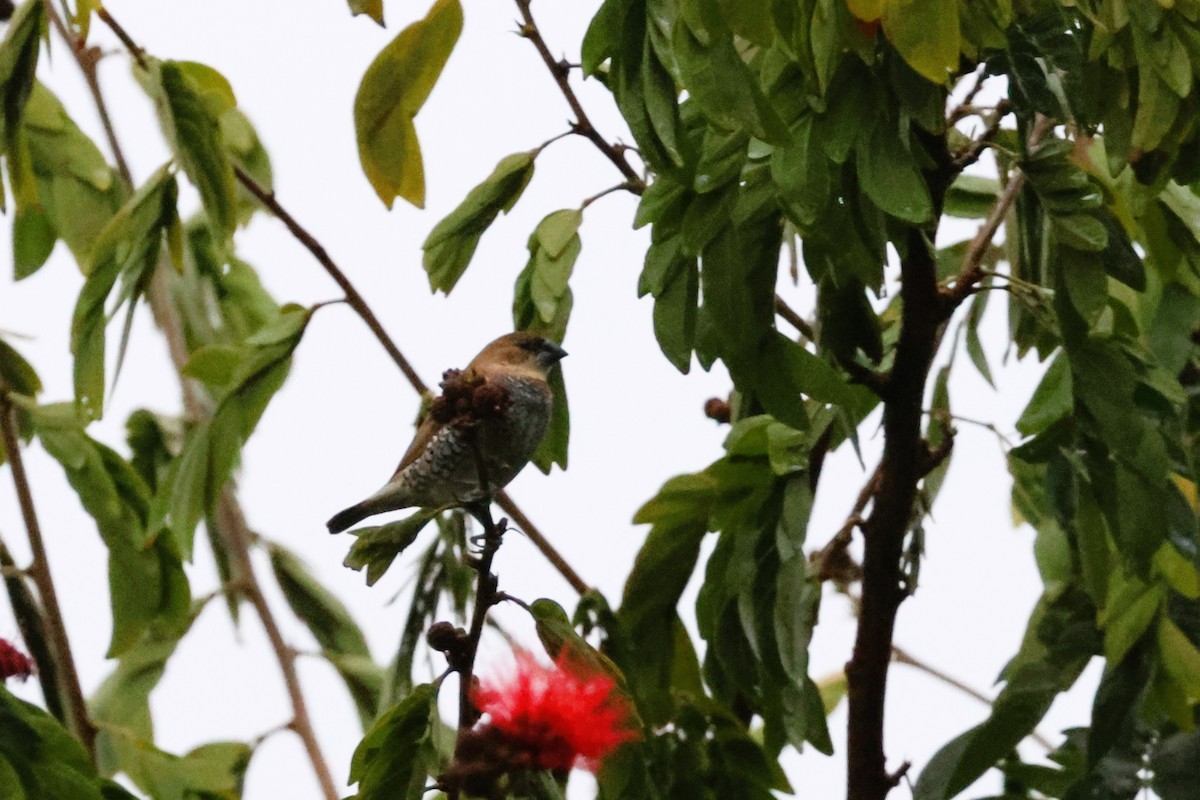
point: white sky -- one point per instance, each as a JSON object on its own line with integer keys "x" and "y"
{"x": 336, "y": 430}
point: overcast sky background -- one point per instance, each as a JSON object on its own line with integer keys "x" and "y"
{"x": 335, "y": 431}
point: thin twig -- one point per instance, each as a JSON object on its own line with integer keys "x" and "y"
{"x": 623, "y": 186}
{"x": 902, "y": 656}
{"x": 970, "y": 154}
{"x": 966, "y": 107}
{"x": 39, "y": 571}
{"x": 541, "y": 543}
{"x": 789, "y": 314}
{"x": 972, "y": 267}
{"x": 583, "y": 126}
{"x": 232, "y": 522}
{"x": 87, "y": 58}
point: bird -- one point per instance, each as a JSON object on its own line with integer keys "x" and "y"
{"x": 478, "y": 434}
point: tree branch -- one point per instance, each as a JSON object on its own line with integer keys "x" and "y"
{"x": 39, "y": 571}
{"x": 583, "y": 126}
{"x": 786, "y": 312}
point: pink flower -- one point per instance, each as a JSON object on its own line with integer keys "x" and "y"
{"x": 13, "y": 663}
{"x": 560, "y": 715}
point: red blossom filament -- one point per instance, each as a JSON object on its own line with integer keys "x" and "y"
{"x": 13, "y": 663}
{"x": 559, "y": 715}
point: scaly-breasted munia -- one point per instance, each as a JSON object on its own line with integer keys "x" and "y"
{"x": 487, "y": 424}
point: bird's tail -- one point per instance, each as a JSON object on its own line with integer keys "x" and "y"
{"x": 350, "y": 516}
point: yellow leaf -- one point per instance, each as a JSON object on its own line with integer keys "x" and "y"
{"x": 1188, "y": 489}
{"x": 392, "y": 91}
{"x": 1179, "y": 656}
{"x": 866, "y": 10}
{"x": 925, "y": 32}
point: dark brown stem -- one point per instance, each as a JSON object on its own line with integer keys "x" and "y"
{"x": 353, "y": 298}
{"x": 786, "y": 312}
{"x": 970, "y": 154}
{"x": 891, "y": 514}
{"x": 39, "y": 571}
{"x": 542, "y": 543}
{"x": 582, "y": 125}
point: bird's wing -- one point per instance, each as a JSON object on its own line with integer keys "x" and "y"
{"x": 420, "y": 441}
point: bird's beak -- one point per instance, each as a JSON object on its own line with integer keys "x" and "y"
{"x": 551, "y": 354}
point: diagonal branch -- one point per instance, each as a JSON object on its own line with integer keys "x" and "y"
{"x": 39, "y": 570}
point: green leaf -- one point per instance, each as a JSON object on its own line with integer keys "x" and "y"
{"x": 372, "y": 8}
{"x": 33, "y": 240}
{"x": 1130, "y": 609}
{"x": 1052, "y": 400}
{"x": 676, "y": 313}
{"x": 213, "y": 447}
{"x": 18, "y": 64}
{"x": 127, "y": 247}
{"x": 560, "y": 639}
{"x": 890, "y": 175}
{"x": 377, "y": 546}
{"x": 389, "y": 761}
{"x": 146, "y": 577}
{"x": 723, "y": 87}
{"x": 1175, "y": 764}
{"x": 1058, "y": 644}
{"x": 542, "y": 299}
{"x": 926, "y": 34}
{"x": 392, "y": 91}
{"x": 195, "y": 97}
{"x": 16, "y": 374}
{"x": 77, "y": 190}
{"x": 330, "y": 623}
{"x": 554, "y": 445}
{"x": 40, "y": 758}
{"x": 452, "y": 242}
{"x": 971, "y": 197}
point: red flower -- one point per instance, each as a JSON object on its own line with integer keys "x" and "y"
{"x": 13, "y": 663}
{"x": 559, "y": 715}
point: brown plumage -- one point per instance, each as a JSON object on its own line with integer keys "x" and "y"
{"x": 499, "y": 406}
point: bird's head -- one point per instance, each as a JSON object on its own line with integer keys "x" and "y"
{"x": 520, "y": 353}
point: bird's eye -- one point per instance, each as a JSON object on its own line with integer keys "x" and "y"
{"x": 531, "y": 345}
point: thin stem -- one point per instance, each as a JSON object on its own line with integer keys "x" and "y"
{"x": 39, "y": 571}
{"x": 902, "y": 656}
{"x": 232, "y": 523}
{"x": 805, "y": 328}
{"x": 583, "y": 126}
{"x": 542, "y": 543}
{"x": 88, "y": 58}
{"x": 624, "y": 186}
